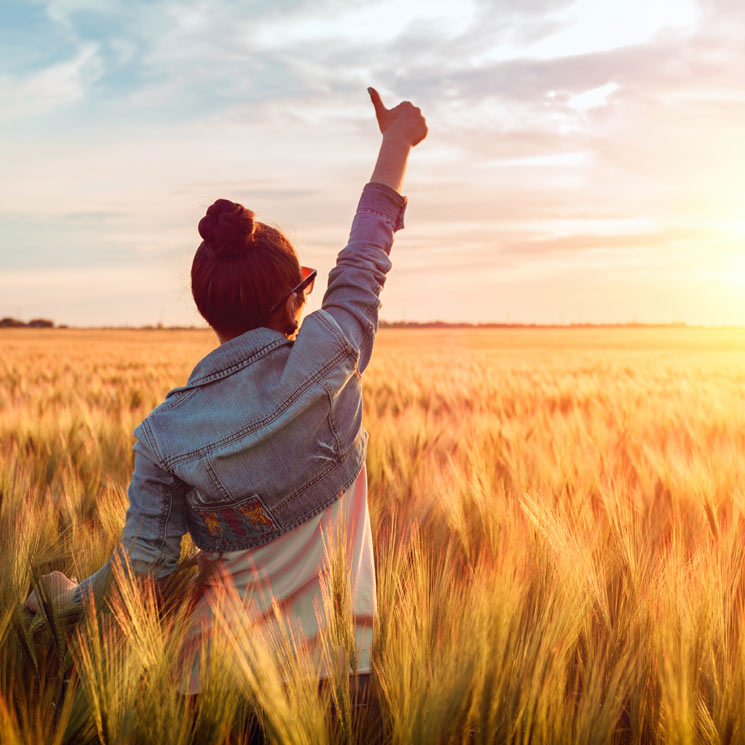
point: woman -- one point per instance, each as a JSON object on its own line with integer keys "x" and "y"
{"x": 263, "y": 449}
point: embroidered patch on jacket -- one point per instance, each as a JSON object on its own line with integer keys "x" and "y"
{"x": 212, "y": 522}
{"x": 233, "y": 525}
{"x": 255, "y": 514}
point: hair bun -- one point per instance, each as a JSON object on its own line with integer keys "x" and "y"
{"x": 227, "y": 228}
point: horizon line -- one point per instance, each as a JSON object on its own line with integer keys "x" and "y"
{"x": 383, "y": 324}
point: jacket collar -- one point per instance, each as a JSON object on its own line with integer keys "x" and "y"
{"x": 235, "y": 354}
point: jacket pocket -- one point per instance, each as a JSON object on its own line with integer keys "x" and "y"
{"x": 231, "y": 525}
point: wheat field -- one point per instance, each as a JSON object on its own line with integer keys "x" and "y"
{"x": 559, "y": 527}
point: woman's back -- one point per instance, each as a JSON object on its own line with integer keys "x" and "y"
{"x": 264, "y": 425}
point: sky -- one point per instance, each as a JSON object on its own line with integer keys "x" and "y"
{"x": 585, "y": 160}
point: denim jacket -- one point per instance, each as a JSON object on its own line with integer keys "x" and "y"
{"x": 267, "y": 432}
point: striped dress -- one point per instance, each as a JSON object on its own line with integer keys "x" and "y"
{"x": 288, "y": 573}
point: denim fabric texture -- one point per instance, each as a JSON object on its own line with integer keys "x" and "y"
{"x": 267, "y": 432}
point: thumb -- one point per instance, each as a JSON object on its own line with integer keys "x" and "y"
{"x": 377, "y": 102}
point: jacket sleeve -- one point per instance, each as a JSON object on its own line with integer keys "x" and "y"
{"x": 352, "y": 297}
{"x": 155, "y": 524}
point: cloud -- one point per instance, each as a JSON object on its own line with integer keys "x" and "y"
{"x": 43, "y": 91}
{"x": 77, "y": 239}
{"x": 119, "y": 294}
{"x": 94, "y": 216}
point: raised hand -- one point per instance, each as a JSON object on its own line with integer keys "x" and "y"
{"x": 404, "y": 122}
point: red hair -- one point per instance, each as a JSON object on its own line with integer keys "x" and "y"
{"x": 241, "y": 269}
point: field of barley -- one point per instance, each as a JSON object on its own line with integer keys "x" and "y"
{"x": 559, "y": 526}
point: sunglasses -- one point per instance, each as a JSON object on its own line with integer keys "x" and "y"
{"x": 305, "y": 286}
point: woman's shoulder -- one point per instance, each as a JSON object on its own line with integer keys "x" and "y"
{"x": 252, "y": 385}
{"x": 321, "y": 328}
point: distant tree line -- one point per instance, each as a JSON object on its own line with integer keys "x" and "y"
{"x": 497, "y": 325}
{"x": 45, "y": 323}
{"x": 34, "y": 323}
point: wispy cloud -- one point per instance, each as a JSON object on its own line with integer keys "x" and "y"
{"x": 35, "y": 94}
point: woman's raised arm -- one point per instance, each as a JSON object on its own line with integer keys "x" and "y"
{"x": 352, "y": 297}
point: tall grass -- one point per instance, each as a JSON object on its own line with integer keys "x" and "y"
{"x": 559, "y": 530}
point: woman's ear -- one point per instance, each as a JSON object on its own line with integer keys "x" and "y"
{"x": 293, "y": 305}
{"x": 290, "y": 313}
{"x": 290, "y": 308}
